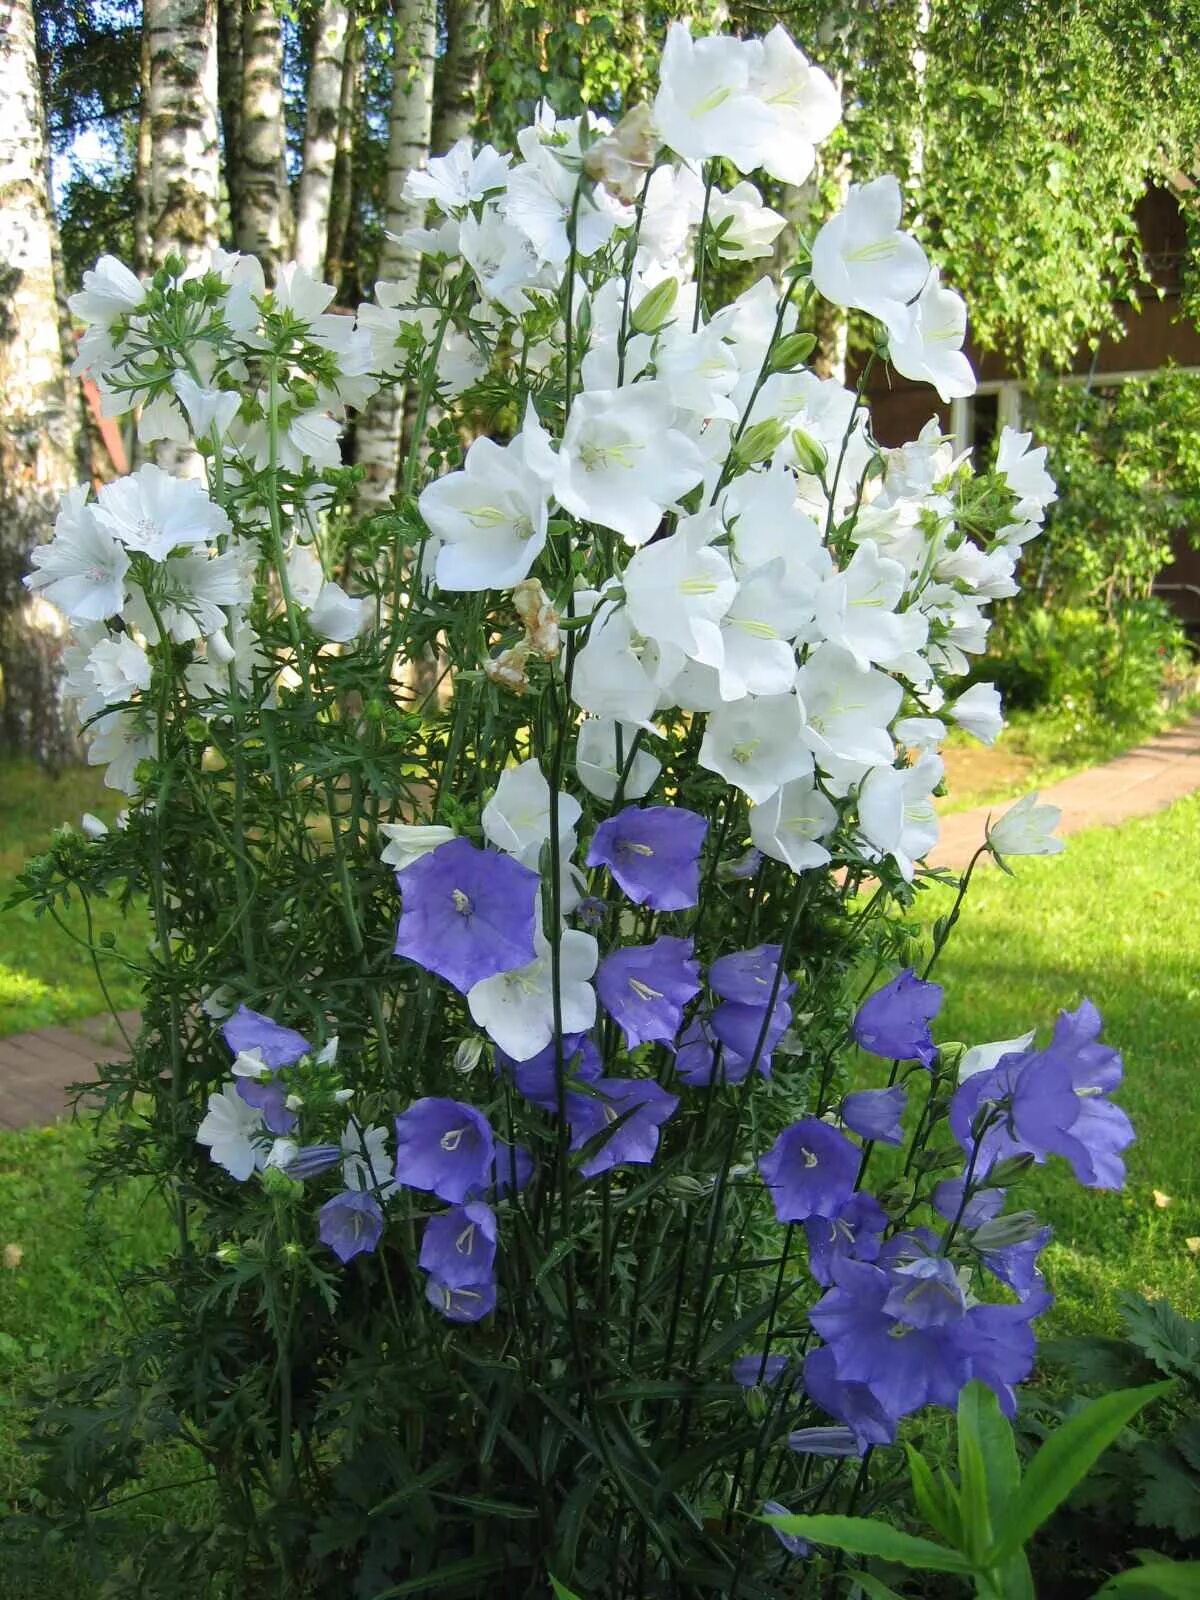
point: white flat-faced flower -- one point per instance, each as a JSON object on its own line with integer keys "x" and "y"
{"x": 517, "y": 817}
{"x": 756, "y": 744}
{"x": 979, "y": 712}
{"x": 789, "y": 826}
{"x": 234, "y": 1134}
{"x": 1025, "y": 472}
{"x": 804, "y": 104}
{"x": 856, "y": 609}
{"x": 209, "y": 410}
{"x": 190, "y": 593}
{"x": 920, "y": 733}
{"x": 316, "y": 436}
{"x": 516, "y": 1009}
{"x": 82, "y": 570}
{"x": 848, "y": 708}
{"x": 460, "y": 177}
{"x": 541, "y": 195}
{"x": 931, "y": 349}
{"x": 491, "y": 517}
{"x": 959, "y": 627}
{"x": 678, "y": 589}
{"x": 300, "y": 293}
{"x": 602, "y": 755}
{"x": 674, "y": 205}
{"x": 704, "y": 106}
{"x": 118, "y": 741}
{"x": 860, "y": 258}
{"x": 1026, "y": 829}
{"x": 119, "y": 668}
{"x": 160, "y": 418}
{"x": 109, "y": 291}
{"x": 765, "y": 524}
{"x": 501, "y": 258}
{"x": 305, "y": 574}
{"x": 155, "y": 512}
{"x": 338, "y": 616}
{"x": 758, "y": 656}
{"x": 366, "y": 1164}
{"x": 623, "y": 462}
{"x": 896, "y": 812}
{"x": 408, "y": 841}
{"x": 744, "y": 229}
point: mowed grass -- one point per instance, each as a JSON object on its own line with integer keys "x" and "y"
{"x": 47, "y": 978}
{"x": 1115, "y": 918}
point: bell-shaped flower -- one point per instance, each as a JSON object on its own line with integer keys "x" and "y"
{"x": 757, "y": 744}
{"x": 854, "y": 1234}
{"x": 743, "y": 228}
{"x": 875, "y": 1113}
{"x": 896, "y": 811}
{"x": 698, "y": 369}
{"x": 623, "y": 462}
{"x": 803, "y": 101}
{"x": 109, "y": 291}
{"x": 365, "y": 1160}
{"x": 470, "y": 1303}
{"x": 516, "y": 1008}
{"x": 757, "y": 654}
{"x": 409, "y": 841}
{"x": 653, "y": 852}
{"x": 704, "y": 106}
{"x": 501, "y": 258}
{"x": 1026, "y": 829}
{"x": 351, "y": 1224}
{"x": 1024, "y": 470}
{"x": 789, "y": 826}
{"x": 517, "y": 817}
{"x": 635, "y": 1108}
{"x": 978, "y": 711}
{"x": 894, "y": 1021}
{"x": 82, "y": 570}
{"x": 275, "y": 1045}
{"x": 644, "y": 988}
{"x": 491, "y": 517}
{"x": 678, "y": 589}
{"x": 537, "y": 1078}
{"x": 337, "y": 615}
{"x": 210, "y": 411}
{"x": 153, "y": 511}
{"x": 602, "y": 756}
{"x": 458, "y": 1247}
{"x": 766, "y": 525}
{"x": 444, "y": 1147}
{"x": 860, "y": 257}
{"x": 847, "y": 709}
{"x": 468, "y": 914}
{"x": 810, "y": 1171}
{"x": 856, "y": 608}
{"x": 931, "y": 349}
{"x": 618, "y": 674}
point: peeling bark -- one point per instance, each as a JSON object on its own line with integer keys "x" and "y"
{"x": 324, "y": 98}
{"x": 262, "y": 212}
{"x": 185, "y": 172}
{"x": 341, "y": 207}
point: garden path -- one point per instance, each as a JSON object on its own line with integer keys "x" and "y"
{"x": 37, "y": 1068}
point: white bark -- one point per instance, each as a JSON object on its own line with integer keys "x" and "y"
{"x": 414, "y": 34}
{"x": 39, "y": 417}
{"x": 324, "y": 100}
{"x": 185, "y": 171}
{"x": 262, "y": 219}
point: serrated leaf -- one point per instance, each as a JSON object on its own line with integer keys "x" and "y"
{"x": 1170, "y": 1340}
{"x": 1186, "y": 1440}
{"x": 1170, "y": 1496}
{"x": 1095, "y": 1363}
{"x": 863, "y": 1536}
{"x": 1063, "y": 1461}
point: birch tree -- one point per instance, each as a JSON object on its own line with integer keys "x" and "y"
{"x": 459, "y": 72}
{"x": 38, "y": 406}
{"x": 341, "y": 205}
{"x": 324, "y": 99}
{"x": 414, "y": 38}
{"x": 262, "y": 216}
{"x": 185, "y": 167}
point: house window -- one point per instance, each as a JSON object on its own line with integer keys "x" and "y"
{"x": 977, "y": 421}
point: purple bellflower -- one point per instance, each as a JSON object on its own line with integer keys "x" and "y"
{"x": 468, "y": 914}
{"x": 645, "y": 988}
{"x": 535, "y": 1078}
{"x": 741, "y": 1027}
{"x": 1016, "y": 1264}
{"x": 748, "y": 977}
{"x": 351, "y": 1223}
{"x": 269, "y": 1096}
{"x": 311, "y": 1160}
{"x": 278, "y": 1046}
{"x": 653, "y": 852}
{"x": 458, "y": 1248}
{"x": 852, "y": 1404}
{"x": 444, "y": 1147}
{"x": 854, "y": 1234}
{"x": 810, "y": 1170}
{"x": 643, "y": 1104}
{"x": 791, "y": 1542}
{"x": 697, "y": 1062}
{"x": 469, "y": 1303}
{"x": 512, "y": 1170}
{"x": 983, "y": 1205}
{"x": 875, "y": 1114}
{"x": 894, "y": 1021}
{"x": 752, "y": 1371}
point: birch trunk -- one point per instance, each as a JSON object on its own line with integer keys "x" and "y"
{"x": 414, "y": 34}
{"x": 262, "y": 220}
{"x": 229, "y": 97}
{"x": 185, "y": 170}
{"x": 341, "y": 205}
{"x": 143, "y": 231}
{"x": 39, "y": 417}
{"x": 324, "y": 98}
{"x": 459, "y": 73}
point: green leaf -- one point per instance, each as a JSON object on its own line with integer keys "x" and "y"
{"x": 1160, "y": 1580}
{"x": 972, "y": 1475}
{"x": 1171, "y": 1341}
{"x": 446, "y": 1577}
{"x": 931, "y": 1499}
{"x": 864, "y": 1536}
{"x": 1063, "y": 1461}
{"x": 561, "y": 1592}
{"x": 1170, "y": 1491}
{"x": 875, "y": 1588}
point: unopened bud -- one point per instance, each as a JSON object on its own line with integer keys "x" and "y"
{"x": 1009, "y": 1170}
{"x": 897, "y": 1197}
{"x": 229, "y": 1253}
{"x": 760, "y": 442}
{"x": 1001, "y": 1232}
{"x": 811, "y": 454}
{"x": 792, "y": 351}
{"x": 654, "y": 308}
{"x": 466, "y": 1057}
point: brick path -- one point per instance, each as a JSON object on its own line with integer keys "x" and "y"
{"x": 35, "y": 1068}
{"x": 1136, "y": 784}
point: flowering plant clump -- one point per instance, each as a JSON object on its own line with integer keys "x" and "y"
{"x": 511, "y": 1046}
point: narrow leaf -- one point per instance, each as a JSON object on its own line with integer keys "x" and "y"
{"x": 561, "y": 1592}
{"x": 931, "y": 1502}
{"x": 1065, "y": 1459}
{"x": 863, "y": 1536}
{"x": 972, "y": 1476}
{"x": 1170, "y": 1580}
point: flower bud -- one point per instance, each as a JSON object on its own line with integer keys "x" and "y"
{"x": 1009, "y": 1170}
{"x": 898, "y": 1196}
{"x": 654, "y": 308}
{"x": 792, "y": 351}
{"x": 466, "y": 1057}
{"x": 811, "y": 455}
{"x": 760, "y": 442}
{"x": 1001, "y": 1232}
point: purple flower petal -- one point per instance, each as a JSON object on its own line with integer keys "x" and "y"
{"x": 444, "y": 1147}
{"x": 278, "y": 1046}
{"x": 470, "y": 1302}
{"x": 894, "y": 1021}
{"x": 468, "y": 914}
{"x": 645, "y": 988}
{"x": 458, "y": 1248}
{"x": 875, "y": 1114}
{"x": 351, "y": 1223}
{"x": 653, "y": 852}
{"x": 643, "y": 1104}
{"x": 748, "y": 977}
{"x": 810, "y": 1171}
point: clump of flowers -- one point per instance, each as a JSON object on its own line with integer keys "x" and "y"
{"x": 515, "y": 1043}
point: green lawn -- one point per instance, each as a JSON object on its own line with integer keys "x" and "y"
{"x": 1115, "y": 918}
{"x": 45, "y": 977}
